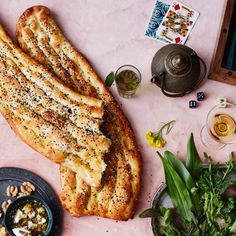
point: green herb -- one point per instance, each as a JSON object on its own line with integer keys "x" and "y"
{"x": 212, "y": 184}
{"x": 110, "y": 79}
{"x": 193, "y": 162}
{"x": 185, "y": 176}
{"x": 178, "y": 191}
{"x": 203, "y": 203}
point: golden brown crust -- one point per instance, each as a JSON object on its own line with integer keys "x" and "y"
{"x": 39, "y": 35}
{"x": 49, "y": 116}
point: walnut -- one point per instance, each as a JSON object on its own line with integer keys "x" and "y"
{"x": 27, "y": 188}
{"x": 12, "y": 191}
{"x": 22, "y": 194}
{"x": 3, "y": 231}
{"x": 5, "y": 205}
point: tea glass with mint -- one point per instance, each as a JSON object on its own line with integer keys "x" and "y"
{"x": 127, "y": 80}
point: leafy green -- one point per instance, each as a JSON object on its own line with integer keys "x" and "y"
{"x": 212, "y": 184}
{"x": 110, "y": 79}
{"x": 233, "y": 227}
{"x": 178, "y": 191}
{"x": 166, "y": 222}
{"x": 193, "y": 162}
{"x": 203, "y": 200}
{"x": 180, "y": 169}
{"x": 185, "y": 176}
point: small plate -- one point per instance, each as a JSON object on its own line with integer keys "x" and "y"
{"x": 16, "y": 176}
{"x": 162, "y": 198}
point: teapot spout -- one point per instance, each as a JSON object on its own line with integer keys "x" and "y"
{"x": 159, "y": 80}
{"x": 156, "y": 79}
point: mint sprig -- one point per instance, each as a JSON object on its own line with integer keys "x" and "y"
{"x": 110, "y": 79}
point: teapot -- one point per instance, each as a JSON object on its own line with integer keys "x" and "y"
{"x": 177, "y": 70}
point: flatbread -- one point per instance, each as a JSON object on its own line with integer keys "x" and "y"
{"x": 49, "y": 116}
{"x": 39, "y": 36}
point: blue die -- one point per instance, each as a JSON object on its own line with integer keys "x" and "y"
{"x": 200, "y": 96}
{"x": 192, "y": 104}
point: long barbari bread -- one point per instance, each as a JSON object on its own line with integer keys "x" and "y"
{"x": 39, "y": 35}
{"x": 49, "y": 116}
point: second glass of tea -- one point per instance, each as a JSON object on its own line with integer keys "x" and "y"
{"x": 127, "y": 80}
{"x": 220, "y": 127}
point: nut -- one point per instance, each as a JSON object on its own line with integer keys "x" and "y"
{"x": 12, "y": 191}
{"x": 3, "y": 231}
{"x": 22, "y": 194}
{"x": 27, "y": 188}
{"x": 5, "y": 205}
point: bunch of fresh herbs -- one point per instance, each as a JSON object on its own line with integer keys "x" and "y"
{"x": 204, "y": 203}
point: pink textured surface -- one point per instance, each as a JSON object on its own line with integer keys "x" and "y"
{"x": 110, "y": 33}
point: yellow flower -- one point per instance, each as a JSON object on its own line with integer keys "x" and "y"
{"x": 155, "y": 139}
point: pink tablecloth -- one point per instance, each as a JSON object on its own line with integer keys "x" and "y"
{"x": 110, "y": 33}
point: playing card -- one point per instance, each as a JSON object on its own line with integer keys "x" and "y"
{"x": 177, "y": 23}
{"x": 158, "y": 13}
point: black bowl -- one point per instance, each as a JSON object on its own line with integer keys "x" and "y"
{"x": 20, "y": 202}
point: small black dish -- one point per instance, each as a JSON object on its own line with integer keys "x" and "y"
{"x": 19, "y": 202}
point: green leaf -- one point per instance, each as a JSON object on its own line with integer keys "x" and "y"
{"x": 193, "y": 162}
{"x": 185, "y": 176}
{"x": 150, "y": 212}
{"x": 110, "y": 79}
{"x": 233, "y": 228}
{"x": 180, "y": 169}
{"x": 177, "y": 191}
{"x": 196, "y": 233}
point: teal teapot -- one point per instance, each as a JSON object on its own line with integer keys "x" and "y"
{"x": 177, "y": 70}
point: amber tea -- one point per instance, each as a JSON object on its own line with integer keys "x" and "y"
{"x": 223, "y": 127}
{"x": 220, "y": 127}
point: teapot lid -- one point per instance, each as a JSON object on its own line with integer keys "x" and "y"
{"x": 178, "y": 63}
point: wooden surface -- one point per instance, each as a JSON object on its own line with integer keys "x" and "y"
{"x": 224, "y": 75}
{"x": 217, "y": 72}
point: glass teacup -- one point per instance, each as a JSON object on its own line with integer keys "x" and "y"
{"x": 127, "y": 78}
{"x": 220, "y": 127}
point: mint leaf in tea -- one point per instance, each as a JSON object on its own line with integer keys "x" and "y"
{"x": 127, "y": 80}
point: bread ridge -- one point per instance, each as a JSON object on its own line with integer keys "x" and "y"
{"x": 118, "y": 195}
{"x": 30, "y": 126}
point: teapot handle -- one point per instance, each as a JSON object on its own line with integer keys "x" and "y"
{"x": 201, "y": 78}
{"x": 161, "y": 77}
